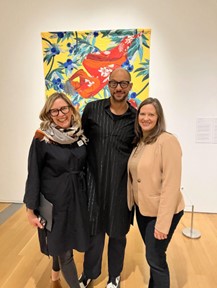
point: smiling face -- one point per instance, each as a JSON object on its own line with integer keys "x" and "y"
{"x": 120, "y": 94}
{"x": 147, "y": 118}
{"x": 63, "y": 120}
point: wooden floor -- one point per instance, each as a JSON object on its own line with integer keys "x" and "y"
{"x": 192, "y": 262}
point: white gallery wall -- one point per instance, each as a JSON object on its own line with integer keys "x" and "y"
{"x": 183, "y": 76}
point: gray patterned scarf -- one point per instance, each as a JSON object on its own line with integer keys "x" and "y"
{"x": 65, "y": 136}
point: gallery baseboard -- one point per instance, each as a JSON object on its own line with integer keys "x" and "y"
{"x": 9, "y": 211}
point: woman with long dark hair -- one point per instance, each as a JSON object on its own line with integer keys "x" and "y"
{"x": 154, "y": 180}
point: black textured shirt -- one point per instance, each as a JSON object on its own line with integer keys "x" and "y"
{"x": 108, "y": 150}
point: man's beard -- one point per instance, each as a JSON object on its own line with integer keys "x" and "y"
{"x": 121, "y": 99}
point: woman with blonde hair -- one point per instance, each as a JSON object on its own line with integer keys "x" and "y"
{"x": 56, "y": 167}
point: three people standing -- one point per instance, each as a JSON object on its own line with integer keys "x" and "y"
{"x": 57, "y": 161}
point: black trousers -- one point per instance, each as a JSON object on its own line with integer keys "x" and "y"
{"x": 93, "y": 257}
{"x": 68, "y": 268}
{"x": 55, "y": 264}
{"x": 156, "y": 249}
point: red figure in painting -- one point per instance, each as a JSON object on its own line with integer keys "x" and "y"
{"x": 99, "y": 65}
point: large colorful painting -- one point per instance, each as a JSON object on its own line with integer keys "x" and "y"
{"x": 78, "y": 63}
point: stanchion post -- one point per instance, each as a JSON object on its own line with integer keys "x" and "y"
{"x": 190, "y": 232}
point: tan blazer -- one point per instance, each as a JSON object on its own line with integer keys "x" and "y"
{"x": 158, "y": 181}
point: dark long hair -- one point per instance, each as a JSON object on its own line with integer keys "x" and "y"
{"x": 160, "y": 125}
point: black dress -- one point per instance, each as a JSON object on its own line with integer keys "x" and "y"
{"x": 108, "y": 150}
{"x": 57, "y": 171}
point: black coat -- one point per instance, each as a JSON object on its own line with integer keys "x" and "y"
{"x": 108, "y": 150}
{"x": 57, "y": 171}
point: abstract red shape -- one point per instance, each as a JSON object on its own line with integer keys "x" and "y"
{"x": 98, "y": 66}
{"x": 133, "y": 103}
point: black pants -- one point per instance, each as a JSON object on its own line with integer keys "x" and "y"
{"x": 55, "y": 264}
{"x": 68, "y": 268}
{"x": 93, "y": 257}
{"x": 156, "y": 249}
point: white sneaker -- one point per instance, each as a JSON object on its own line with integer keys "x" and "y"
{"x": 84, "y": 281}
{"x": 114, "y": 282}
